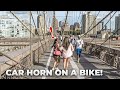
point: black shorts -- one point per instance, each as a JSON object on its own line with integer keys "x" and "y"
{"x": 56, "y": 57}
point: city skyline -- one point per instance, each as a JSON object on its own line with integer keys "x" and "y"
{"x": 73, "y": 16}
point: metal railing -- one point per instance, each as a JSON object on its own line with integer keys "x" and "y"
{"x": 22, "y": 57}
{"x": 109, "y": 55}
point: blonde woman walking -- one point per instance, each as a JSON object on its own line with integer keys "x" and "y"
{"x": 67, "y": 51}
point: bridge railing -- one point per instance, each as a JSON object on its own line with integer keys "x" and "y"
{"x": 109, "y": 55}
{"x": 23, "y": 57}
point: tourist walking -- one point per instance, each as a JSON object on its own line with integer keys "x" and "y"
{"x": 56, "y": 54}
{"x": 79, "y": 45}
{"x": 67, "y": 51}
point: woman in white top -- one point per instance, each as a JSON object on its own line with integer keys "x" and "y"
{"x": 67, "y": 51}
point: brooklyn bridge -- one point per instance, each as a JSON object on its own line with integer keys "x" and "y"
{"x": 101, "y": 49}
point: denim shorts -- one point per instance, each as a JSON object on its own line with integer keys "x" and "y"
{"x": 78, "y": 51}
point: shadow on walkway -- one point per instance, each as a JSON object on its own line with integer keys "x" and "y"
{"x": 40, "y": 64}
{"x": 89, "y": 66}
{"x": 43, "y": 65}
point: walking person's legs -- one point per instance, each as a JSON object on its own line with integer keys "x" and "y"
{"x": 67, "y": 63}
{"x": 58, "y": 62}
{"x": 64, "y": 60}
{"x": 55, "y": 63}
{"x": 78, "y": 58}
{"x": 79, "y": 54}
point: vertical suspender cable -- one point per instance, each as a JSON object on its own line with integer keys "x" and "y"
{"x": 73, "y": 21}
{"x": 54, "y": 33}
{"x": 31, "y": 58}
{"x": 110, "y": 34}
{"x": 41, "y": 31}
{"x": 95, "y": 29}
{"x": 65, "y": 21}
{"x": 73, "y": 24}
{"x": 105, "y": 24}
{"x": 98, "y": 23}
{"x": 44, "y": 26}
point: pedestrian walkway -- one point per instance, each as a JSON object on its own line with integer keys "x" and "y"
{"x": 86, "y": 62}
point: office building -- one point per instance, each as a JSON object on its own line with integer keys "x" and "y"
{"x": 88, "y": 21}
{"x": 117, "y": 24}
{"x": 76, "y": 26}
{"x": 11, "y": 28}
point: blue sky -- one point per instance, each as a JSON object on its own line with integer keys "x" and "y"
{"x": 73, "y": 16}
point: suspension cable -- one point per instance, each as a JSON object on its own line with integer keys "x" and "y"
{"x": 105, "y": 24}
{"x": 81, "y": 23}
{"x": 73, "y": 21}
{"x": 10, "y": 57}
{"x": 31, "y": 56}
{"x": 40, "y": 38}
{"x": 66, "y": 17}
{"x": 13, "y": 60}
{"x": 97, "y": 23}
{"x": 110, "y": 34}
{"x": 33, "y": 20}
{"x": 108, "y": 37}
{"x": 21, "y": 22}
{"x": 30, "y": 32}
{"x": 65, "y": 22}
{"x": 38, "y": 34}
{"x": 93, "y": 21}
{"x": 18, "y": 67}
{"x": 41, "y": 28}
{"x": 7, "y": 55}
{"x": 78, "y": 18}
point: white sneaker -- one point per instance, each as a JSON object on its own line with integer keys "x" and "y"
{"x": 78, "y": 60}
{"x": 53, "y": 68}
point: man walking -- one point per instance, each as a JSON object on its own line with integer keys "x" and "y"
{"x": 79, "y": 45}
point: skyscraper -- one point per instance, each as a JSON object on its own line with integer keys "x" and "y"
{"x": 55, "y": 25}
{"x": 12, "y": 28}
{"x": 117, "y": 24}
{"x": 88, "y": 21}
{"x": 99, "y": 26}
{"x": 60, "y": 23}
{"x": 40, "y": 24}
{"x": 76, "y": 26}
{"x": 71, "y": 27}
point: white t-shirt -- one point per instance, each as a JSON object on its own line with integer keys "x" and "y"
{"x": 79, "y": 43}
{"x": 61, "y": 37}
